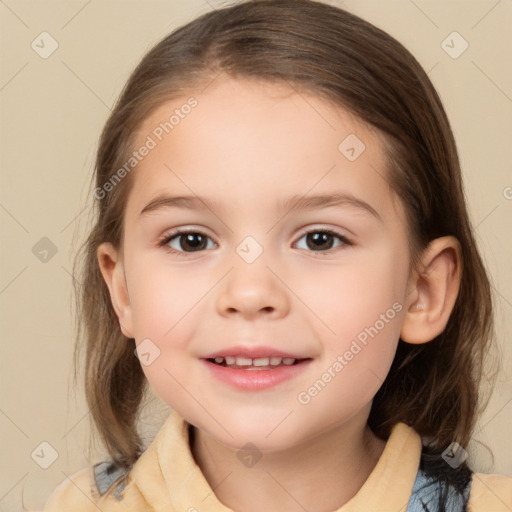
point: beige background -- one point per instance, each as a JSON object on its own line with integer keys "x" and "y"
{"x": 52, "y": 112}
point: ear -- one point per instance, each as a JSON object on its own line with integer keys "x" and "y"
{"x": 433, "y": 292}
{"x": 111, "y": 265}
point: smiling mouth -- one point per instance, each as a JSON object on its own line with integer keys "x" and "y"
{"x": 257, "y": 363}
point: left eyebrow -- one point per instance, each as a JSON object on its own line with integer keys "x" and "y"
{"x": 292, "y": 204}
{"x": 299, "y": 203}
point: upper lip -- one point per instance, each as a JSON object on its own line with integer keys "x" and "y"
{"x": 251, "y": 352}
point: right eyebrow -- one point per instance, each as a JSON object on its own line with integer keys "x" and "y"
{"x": 190, "y": 202}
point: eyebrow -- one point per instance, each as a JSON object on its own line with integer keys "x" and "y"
{"x": 292, "y": 204}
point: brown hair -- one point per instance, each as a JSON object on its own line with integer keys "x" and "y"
{"x": 314, "y": 47}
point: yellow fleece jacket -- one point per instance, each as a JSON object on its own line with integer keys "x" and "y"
{"x": 166, "y": 478}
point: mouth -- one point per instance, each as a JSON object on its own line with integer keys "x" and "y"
{"x": 257, "y": 363}
{"x": 254, "y": 374}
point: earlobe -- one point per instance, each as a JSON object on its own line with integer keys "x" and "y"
{"x": 111, "y": 266}
{"x": 434, "y": 291}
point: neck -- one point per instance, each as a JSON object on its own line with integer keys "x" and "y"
{"x": 319, "y": 475}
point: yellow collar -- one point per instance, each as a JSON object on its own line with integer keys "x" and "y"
{"x": 169, "y": 479}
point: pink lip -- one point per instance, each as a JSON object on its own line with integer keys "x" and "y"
{"x": 251, "y": 352}
{"x": 256, "y": 380}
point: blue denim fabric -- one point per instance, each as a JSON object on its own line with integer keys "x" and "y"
{"x": 105, "y": 474}
{"x": 425, "y": 496}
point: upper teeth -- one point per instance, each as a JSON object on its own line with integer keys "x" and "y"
{"x": 258, "y": 361}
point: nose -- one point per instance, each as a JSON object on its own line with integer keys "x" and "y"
{"x": 252, "y": 290}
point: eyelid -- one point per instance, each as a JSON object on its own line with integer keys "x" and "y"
{"x": 324, "y": 229}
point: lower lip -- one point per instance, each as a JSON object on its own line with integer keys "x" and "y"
{"x": 256, "y": 380}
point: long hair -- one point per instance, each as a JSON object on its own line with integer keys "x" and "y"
{"x": 318, "y": 48}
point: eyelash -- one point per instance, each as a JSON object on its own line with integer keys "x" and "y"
{"x": 169, "y": 237}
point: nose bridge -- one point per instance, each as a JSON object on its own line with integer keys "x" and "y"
{"x": 251, "y": 288}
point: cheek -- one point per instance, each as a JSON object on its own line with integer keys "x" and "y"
{"x": 349, "y": 297}
{"x": 161, "y": 295}
{"x": 167, "y": 304}
{"x": 361, "y": 308}
{"x": 163, "y": 316}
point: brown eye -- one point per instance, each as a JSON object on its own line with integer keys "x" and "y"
{"x": 323, "y": 240}
{"x": 187, "y": 241}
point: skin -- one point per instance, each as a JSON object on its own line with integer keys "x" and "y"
{"x": 249, "y": 145}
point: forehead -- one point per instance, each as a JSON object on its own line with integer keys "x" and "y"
{"x": 258, "y": 139}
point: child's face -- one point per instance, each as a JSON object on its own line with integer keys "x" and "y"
{"x": 248, "y": 148}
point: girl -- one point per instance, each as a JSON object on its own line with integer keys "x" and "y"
{"x": 282, "y": 252}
